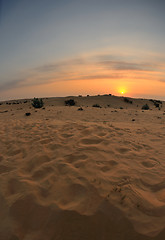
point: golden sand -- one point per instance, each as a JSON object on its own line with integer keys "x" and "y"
{"x": 96, "y": 174}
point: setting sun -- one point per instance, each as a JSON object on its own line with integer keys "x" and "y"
{"x": 122, "y": 91}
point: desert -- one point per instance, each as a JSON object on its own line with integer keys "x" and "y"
{"x": 93, "y": 171}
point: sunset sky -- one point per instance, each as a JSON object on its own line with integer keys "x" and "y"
{"x": 72, "y": 47}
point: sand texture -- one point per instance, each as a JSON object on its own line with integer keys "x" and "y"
{"x": 96, "y": 174}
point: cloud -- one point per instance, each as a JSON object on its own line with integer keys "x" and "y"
{"x": 122, "y": 66}
{"x": 12, "y": 84}
{"x": 96, "y": 67}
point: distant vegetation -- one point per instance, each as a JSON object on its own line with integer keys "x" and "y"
{"x": 37, "y": 103}
{"x": 70, "y": 102}
{"x": 96, "y": 105}
{"x": 27, "y": 114}
{"x": 145, "y": 107}
{"x": 80, "y": 109}
{"x": 157, "y": 103}
{"x": 127, "y": 100}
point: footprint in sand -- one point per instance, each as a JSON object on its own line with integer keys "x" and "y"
{"x": 36, "y": 162}
{"x": 14, "y": 186}
{"x": 123, "y": 150}
{"x": 149, "y": 164}
{"x": 80, "y": 164}
{"x": 71, "y": 158}
{"x": 13, "y": 152}
{"x": 4, "y": 169}
{"x": 87, "y": 141}
{"x": 113, "y": 163}
{"x": 45, "y": 140}
{"x": 109, "y": 166}
{"x": 1, "y": 158}
{"x": 42, "y": 172}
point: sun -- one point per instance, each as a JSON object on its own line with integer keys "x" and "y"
{"x": 122, "y": 91}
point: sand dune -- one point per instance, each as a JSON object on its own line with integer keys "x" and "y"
{"x": 92, "y": 174}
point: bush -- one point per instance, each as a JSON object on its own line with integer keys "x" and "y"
{"x": 27, "y": 114}
{"x": 37, "y": 103}
{"x": 157, "y": 103}
{"x": 70, "y": 102}
{"x": 80, "y": 109}
{"x": 96, "y": 105}
{"x": 127, "y": 100}
{"x": 145, "y": 107}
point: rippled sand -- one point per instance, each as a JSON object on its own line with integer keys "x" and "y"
{"x": 93, "y": 174}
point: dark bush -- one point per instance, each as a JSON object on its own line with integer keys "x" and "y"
{"x": 27, "y": 114}
{"x": 80, "y": 109}
{"x": 70, "y": 102}
{"x": 156, "y": 104}
{"x": 96, "y": 105}
{"x": 37, "y": 103}
{"x": 127, "y": 100}
{"x": 145, "y": 107}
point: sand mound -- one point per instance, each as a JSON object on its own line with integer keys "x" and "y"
{"x": 82, "y": 178}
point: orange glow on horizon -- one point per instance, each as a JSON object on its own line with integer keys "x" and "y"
{"x": 122, "y": 90}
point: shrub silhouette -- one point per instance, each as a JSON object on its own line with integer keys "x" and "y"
{"x": 145, "y": 107}
{"x": 157, "y": 103}
{"x": 37, "y": 103}
{"x": 80, "y": 109}
{"x": 96, "y": 105}
{"x": 127, "y": 100}
{"x": 70, "y": 102}
{"x": 27, "y": 114}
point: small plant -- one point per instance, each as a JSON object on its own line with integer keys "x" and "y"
{"x": 145, "y": 107}
{"x": 37, "y": 103}
{"x": 27, "y": 114}
{"x": 96, "y": 105}
{"x": 80, "y": 109}
{"x": 157, "y": 103}
{"x": 127, "y": 100}
{"x": 70, "y": 102}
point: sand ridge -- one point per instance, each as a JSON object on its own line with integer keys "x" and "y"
{"x": 91, "y": 174}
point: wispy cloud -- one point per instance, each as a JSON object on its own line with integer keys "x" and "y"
{"x": 90, "y": 68}
{"x": 11, "y": 84}
{"x": 122, "y": 66}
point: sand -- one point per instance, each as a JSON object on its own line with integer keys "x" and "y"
{"x": 96, "y": 174}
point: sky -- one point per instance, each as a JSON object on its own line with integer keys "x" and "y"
{"x": 72, "y": 47}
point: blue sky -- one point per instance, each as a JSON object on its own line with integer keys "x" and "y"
{"x": 42, "y": 40}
